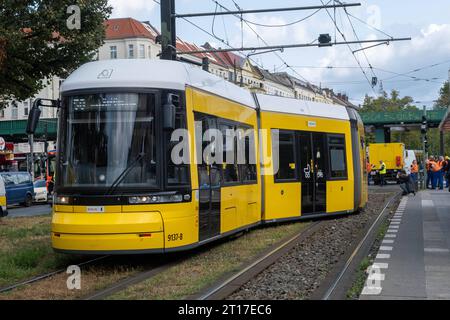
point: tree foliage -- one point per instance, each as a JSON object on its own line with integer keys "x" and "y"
{"x": 388, "y": 103}
{"x": 36, "y": 43}
{"x": 443, "y": 102}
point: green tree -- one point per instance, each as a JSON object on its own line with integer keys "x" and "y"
{"x": 36, "y": 42}
{"x": 443, "y": 102}
{"x": 388, "y": 103}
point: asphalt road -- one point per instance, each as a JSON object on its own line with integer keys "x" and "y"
{"x": 36, "y": 209}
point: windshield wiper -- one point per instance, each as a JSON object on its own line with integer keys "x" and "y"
{"x": 124, "y": 174}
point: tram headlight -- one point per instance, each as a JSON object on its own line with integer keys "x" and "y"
{"x": 155, "y": 199}
{"x": 61, "y": 200}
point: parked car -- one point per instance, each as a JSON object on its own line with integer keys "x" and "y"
{"x": 19, "y": 188}
{"x": 3, "y": 209}
{"x": 40, "y": 191}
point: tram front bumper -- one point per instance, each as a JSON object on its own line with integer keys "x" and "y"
{"x": 103, "y": 233}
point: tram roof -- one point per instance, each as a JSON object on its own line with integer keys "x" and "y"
{"x": 164, "y": 74}
{"x": 302, "y": 107}
{"x": 158, "y": 74}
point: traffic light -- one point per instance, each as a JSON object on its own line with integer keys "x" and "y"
{"x": 424, "y": 125}
{"x": 425, "y": 142}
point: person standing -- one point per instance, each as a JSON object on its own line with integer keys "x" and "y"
{"x": 429, "y": 172}
{"x": 414, "y": 172}
{"x": 369, "y": 170}
{"x": 436, "y": 174}
{"x": 446, "y": 170}
{"x": 382, "y": 173}
{"x": 441, "y": 173}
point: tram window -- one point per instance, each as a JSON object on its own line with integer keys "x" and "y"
{"x": 338, "y": 164}
{"x": 208, "y": 174}
{"x": 286, "y": 157}
{"x": 230, "y": 166}
{"x": 248, "y": 169}
{"x": 177, "y": 174}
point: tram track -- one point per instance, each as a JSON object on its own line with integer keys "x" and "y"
{"x": 333, "y": 290}
{"x": 311, "y": 266}
{"x": 48, "y": 275}
{"x": 132, "y": 280}
{"x": 224, "y": 287}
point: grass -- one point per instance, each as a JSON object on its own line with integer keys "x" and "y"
{"x": 25, "y": 249}
{"x": 204, "y": 268}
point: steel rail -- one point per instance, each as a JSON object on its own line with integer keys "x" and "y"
{"x": 252, "y": 266}
{"x": 46, "y": 275}
{"x": 335, "y": 283}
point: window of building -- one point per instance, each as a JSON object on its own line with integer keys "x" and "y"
{"x": 338, "y": 163}
{"x": 14, "y": 111}
{"x": 130, "y": 51}
{"x": 2, "y": 113}
{"x": 113, "y": 52}
{"x": 286, "y": 156}
{"x": 141, "y": 51}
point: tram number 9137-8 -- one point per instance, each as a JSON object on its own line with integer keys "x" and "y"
{"x": 175, "y": 237}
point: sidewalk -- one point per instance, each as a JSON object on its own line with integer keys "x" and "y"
{"x": 413, "y": 261}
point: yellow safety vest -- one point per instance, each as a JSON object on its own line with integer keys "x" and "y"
{"x": 383, "y": 168}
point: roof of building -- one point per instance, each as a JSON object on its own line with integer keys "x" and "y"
{"x": 123, "y": 28}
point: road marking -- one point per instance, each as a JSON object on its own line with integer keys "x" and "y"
{"x": 383, "y": 256}
{"x": 388, "y": 241}
{"x": 380, "y": 265}
{"x": 390, "y": 236}
{"x": 396, "y": 220}
{"x": 371, "y": 291}
{"x": 436, "y": 250}
{"x": 394, "y": 227}
{"x": 376, "y": 276}
{"x": 386, "y": 248}
{"x": 392, "y": 231}
{"x": 427, "y": 203}
{"x": 395, "y": 223}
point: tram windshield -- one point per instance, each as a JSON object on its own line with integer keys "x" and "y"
{"x": 104, "y": 135}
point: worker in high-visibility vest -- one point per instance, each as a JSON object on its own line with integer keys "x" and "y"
{"x": 429, "y": 162}
{"x": 415, "y": 172}
{"x": 369, "y": 170}
{"x": 437, "y": 178}
{"x": 382, "y": 173}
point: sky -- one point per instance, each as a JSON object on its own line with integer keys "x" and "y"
{"x": 426, "y": 57}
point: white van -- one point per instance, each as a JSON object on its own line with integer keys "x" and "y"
{"x": 3, "y": 210}
{"x": 410, "y": 156}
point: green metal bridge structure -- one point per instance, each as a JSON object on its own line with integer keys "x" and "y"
{"x": 15, "y": 130}
{"x": 384, "y": 121}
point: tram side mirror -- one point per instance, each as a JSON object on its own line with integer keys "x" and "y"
{"x": 169, "y": 111}
{"x": 35, "y": 113}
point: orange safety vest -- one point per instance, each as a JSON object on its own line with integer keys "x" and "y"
{"x": 436, "y": 166}
{"x": 368, "y": 167}
{"x": 428, "y": 165}
{"x": 414, "y": 168}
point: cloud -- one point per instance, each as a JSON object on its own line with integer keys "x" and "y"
{"x": 138, "y": 9}
{"x": 428, "y": 46}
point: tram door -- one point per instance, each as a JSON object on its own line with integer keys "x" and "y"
{"x": 313, "y": 172}
{"x": 209, "y": 189}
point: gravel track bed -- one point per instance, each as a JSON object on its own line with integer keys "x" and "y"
{"x": 298, "y": 273}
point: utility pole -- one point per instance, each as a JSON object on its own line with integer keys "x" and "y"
{"x": 168, "y": 30}
{"x": 423, "y": 130}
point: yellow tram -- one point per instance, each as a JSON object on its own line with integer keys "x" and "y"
{"x": 119, "y": 190}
